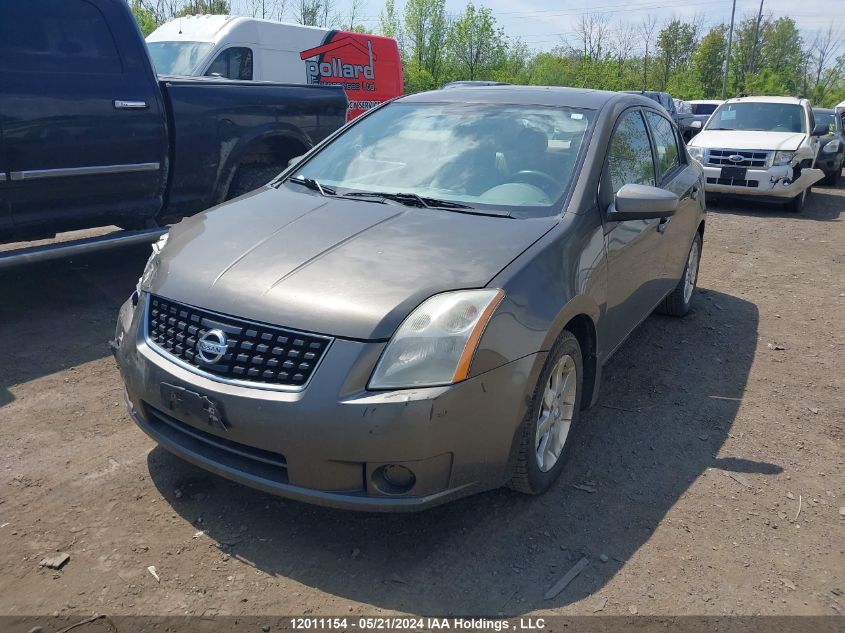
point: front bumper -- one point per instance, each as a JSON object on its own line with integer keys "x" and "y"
{"x": 328, "y": 444}
{"x": 773, "y": 182}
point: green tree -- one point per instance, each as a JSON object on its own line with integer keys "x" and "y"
{"x": 144, "y": 17}
{"x": 709, "y": 59}
{"x": 675, "y": 45}
{"x": 477, "y": 46}
{"x": 425, "y": 32}
{"x": 202, "y": 7}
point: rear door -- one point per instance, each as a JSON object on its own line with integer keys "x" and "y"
{"x": 675, "y": 174}
{"x": 84, "y": 128}
{"x": 636, "y": 250}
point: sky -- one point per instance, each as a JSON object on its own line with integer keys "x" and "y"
{"x": 544, "y": 24}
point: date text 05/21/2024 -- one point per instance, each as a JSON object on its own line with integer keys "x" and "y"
{"x": 416, "y": 623}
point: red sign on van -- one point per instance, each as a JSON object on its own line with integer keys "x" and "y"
{"x": 366, "y": 66}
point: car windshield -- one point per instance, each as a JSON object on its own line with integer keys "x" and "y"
{"x": 704, "y": 108}
{"x": 760, "y": 117}
{"x": 514, "y": 158}
{"x": 178, "y": 58}
{"x": 825, "y": 118}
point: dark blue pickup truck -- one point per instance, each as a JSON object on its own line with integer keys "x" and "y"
{"x": 90, "y": 136}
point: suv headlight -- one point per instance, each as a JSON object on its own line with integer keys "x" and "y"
{"x": 152, "y": 265}
{"x": 831, "y": 147}
{"x": 436, "y": 342}
{"x": 782, "y": 158}
{"x": 696, "y": 152}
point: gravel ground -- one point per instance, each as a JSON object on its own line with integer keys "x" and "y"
{"x": 708, "y": 480}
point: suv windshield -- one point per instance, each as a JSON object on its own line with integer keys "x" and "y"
{"x": 703, "y": 108}
{"x": 178, "y": 58}
{"x": 826, "y": 118}
{"x": 761, "y": 117}
{"x": 520, "y": 159}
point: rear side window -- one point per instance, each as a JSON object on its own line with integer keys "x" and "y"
{"x": 629, "y": 159}
{"x": 56, "y": 36}
{"x": 666, "y": 143}
{"x": 233, "y": 63}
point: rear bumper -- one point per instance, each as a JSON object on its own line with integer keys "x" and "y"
{"x": 770, "y": 183}
{"x": 327, "y": 444}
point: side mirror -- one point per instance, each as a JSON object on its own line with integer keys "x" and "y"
{"x": 641, "y": 202}
{"x": 695, "y": 124}
{"x": 293, "y": 161}
{"x": 820, "y": 130}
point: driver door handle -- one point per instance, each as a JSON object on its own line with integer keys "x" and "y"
{"x": 661, "y": 226}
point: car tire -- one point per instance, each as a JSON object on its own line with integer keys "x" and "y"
{"x": 678, "y": 302}
{"x": 251, "y": 177}
{"x": 555, "y": 405}
{"x": 832, "y": 180}
{"x": 796, "y": 204}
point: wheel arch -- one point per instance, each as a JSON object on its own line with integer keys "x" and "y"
{"x": 266, "y": 146}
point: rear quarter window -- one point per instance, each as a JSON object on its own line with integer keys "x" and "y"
{"x": 56, "y": 36}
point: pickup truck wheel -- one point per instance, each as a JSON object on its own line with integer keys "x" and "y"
{"x": 551, "y": 419}
{"x": 678, "y": 302}
{"x": 796, "y": 205}
{"x": 832, "y": 180}
{"x": 251, "y": 177}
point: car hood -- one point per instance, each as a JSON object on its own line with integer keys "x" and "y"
{"x": 351, "y": 269}
{"x": 736, "y": 139}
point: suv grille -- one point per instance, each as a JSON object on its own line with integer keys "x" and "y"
{"x": 264, "y": 354}
{"x": 720, "y": 158}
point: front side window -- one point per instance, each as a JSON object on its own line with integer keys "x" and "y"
{"x": 754, "y": 116}
{"x": 56, "y": 36}
{"x": 666, "y": 143}
{"x": 629, "y": 158}
{"x": 178, "y": 58}
{"x": 521, "y": 159}
{"x": 233, "y": 63}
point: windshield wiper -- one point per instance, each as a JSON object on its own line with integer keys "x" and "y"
{"x": 311, "y": 183}
{"x": 722, "y": 129}
{"x": 416, "y": 200}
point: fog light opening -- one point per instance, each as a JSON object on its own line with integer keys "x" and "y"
{"x": 394, "y": 479}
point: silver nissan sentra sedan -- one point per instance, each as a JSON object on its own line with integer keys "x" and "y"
{"x": 419, "y": 308}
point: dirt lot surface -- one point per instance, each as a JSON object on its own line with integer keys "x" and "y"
{"x": 708, "y": 480}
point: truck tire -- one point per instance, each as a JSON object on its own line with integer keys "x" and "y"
{"x": 555, "y": 405}
{"x": 251, "y": 177}
{"x": 677, "y": 303}
{"x": 832, "y": 180}
{"x": 796, "y": 204}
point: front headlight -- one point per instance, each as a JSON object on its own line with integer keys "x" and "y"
{"x": 151, "y": 266}
{"x": 696, "y": 152}
{"x": 831, "y": 147}
{"x": 436, "y": 343}
{"x": 782, "y": 158}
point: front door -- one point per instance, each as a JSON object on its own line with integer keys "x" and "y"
{"x": 636, "y": 249}
{"x": 675, "y": 174}
{"x": 82, "y": 118}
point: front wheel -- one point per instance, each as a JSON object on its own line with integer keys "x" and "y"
{"x": 679, "y": 301}
{"x": 549, "y": 424}
{"x": 796, "y": 204}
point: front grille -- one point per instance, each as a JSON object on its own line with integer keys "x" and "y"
{"x": 260, "y": 354}
{"x": 721, "y": 158}
{"x": 731, "y": 182}
{"x": 247, "y": 459}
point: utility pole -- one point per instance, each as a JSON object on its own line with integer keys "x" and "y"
{"x": 728, "y": 57}
{"x": 754, "y": 44}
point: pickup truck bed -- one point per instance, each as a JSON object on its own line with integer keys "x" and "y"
{"x": 90, "y": 136}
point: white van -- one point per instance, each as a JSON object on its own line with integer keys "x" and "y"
{"x": 368, "y": 67}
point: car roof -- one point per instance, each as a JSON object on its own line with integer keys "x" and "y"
{"x": 524, "y": 95}
{"x": 792, "y": 100}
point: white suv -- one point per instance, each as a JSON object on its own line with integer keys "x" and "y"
{"x": 760, "y": 146}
